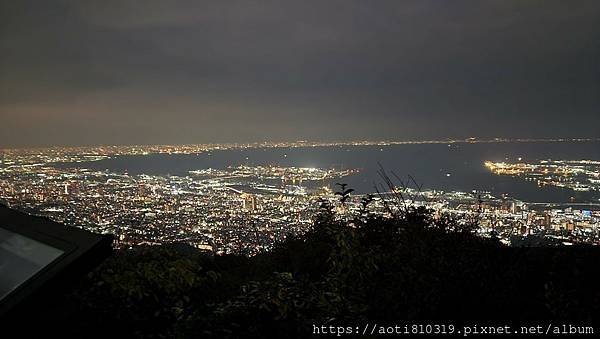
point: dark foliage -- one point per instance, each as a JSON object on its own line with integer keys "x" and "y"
{"x": 409, "y": 267}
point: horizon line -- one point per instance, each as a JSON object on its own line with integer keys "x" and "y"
{"x": 315, "y": 143}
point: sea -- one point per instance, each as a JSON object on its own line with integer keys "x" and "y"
{"x": 440, "y": 166}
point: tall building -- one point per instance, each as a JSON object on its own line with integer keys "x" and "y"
{"x": 248, "y": 202}
{"x": 547, "y": 221}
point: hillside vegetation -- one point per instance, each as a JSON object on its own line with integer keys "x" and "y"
{"x": 407, "y": 267}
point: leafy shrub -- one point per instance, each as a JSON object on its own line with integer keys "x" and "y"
{"x": 410, "y": 266}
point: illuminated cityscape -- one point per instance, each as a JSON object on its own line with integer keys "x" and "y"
{"x": 295, "y": 169}
{"x": 247, "y": 209}
{"x": 581, "y": 175}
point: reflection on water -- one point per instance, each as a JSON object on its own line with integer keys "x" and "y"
{"x": 436, "y": 166}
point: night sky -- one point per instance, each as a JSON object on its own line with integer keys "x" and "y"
{"x": 149, "y": 72}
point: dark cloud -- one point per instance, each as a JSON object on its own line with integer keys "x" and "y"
{"x": 105, "y": 72}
